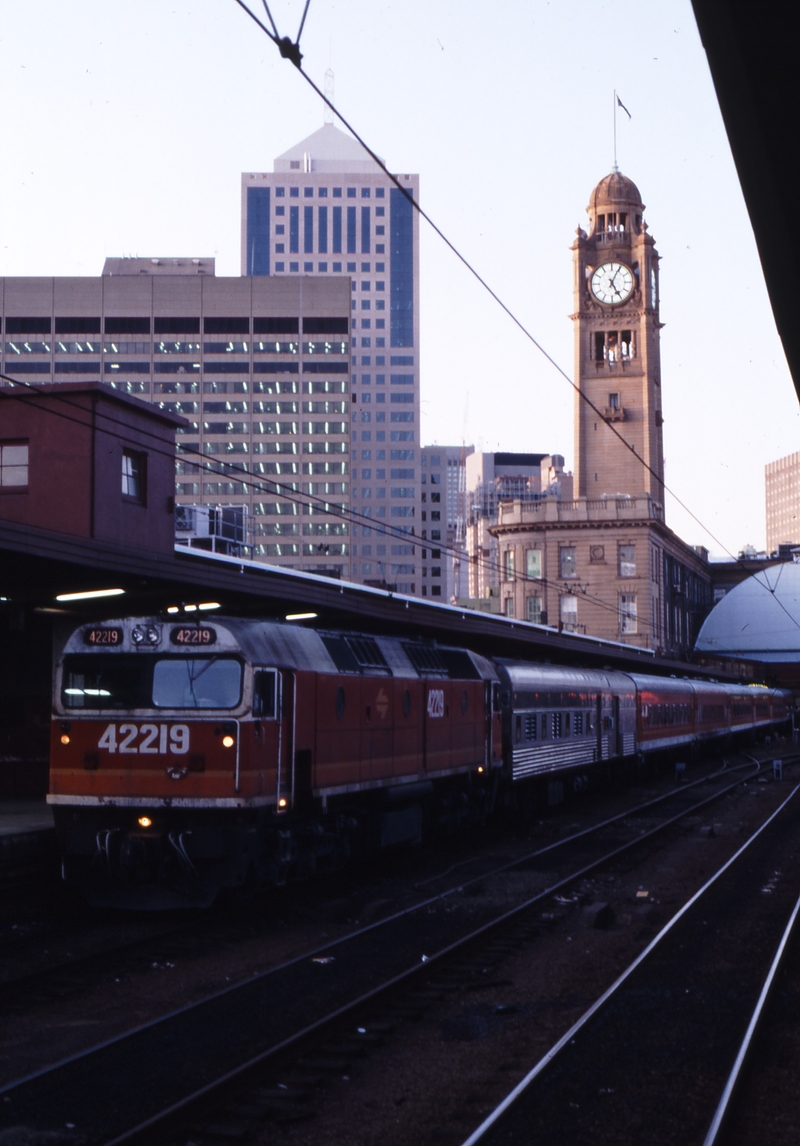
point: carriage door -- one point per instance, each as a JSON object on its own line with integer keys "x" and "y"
{"x": 616, "y": 739}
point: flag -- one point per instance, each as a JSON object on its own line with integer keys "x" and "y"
{"x": 622, "y": 105}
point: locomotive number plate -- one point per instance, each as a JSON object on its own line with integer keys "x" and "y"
{"x": 146, "y": 739}
{"x": 436, "y": 702}
{"x": 193, "y": 635}
{"x": 100, "y": 636}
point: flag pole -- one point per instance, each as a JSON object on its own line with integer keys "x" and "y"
{"x": 615, "y": 130}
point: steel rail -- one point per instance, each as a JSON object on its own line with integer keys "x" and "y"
{"x": 74, "y": 964}
{"x": 733, "y": 1079}
{"x": 599, "y": 1003}
{"x": 143, "y": 1132}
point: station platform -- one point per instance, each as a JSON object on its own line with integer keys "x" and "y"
{"x": 19, "y": 817}
{"x": 28, "y": 847}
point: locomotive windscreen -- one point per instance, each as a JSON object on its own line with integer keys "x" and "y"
{"x": 126, "y": 682}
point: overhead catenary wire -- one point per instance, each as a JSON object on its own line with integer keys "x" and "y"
{"x": 314, "y": 501}
{"x": 296, "y": 58}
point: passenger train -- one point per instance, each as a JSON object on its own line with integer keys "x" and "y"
{"x": 192, "y": 756}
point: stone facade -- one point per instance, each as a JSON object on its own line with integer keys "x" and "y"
{"x": 609, "y": 568}
{"x": 606, "y": 563}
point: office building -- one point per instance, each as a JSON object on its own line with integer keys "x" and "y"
{"x": 258, "y": 367}
{"x": 327, "y": 210}
{"x": 443, "y": 513}
{"x": 782, "y": 488}
{"x": 492, "y": 478}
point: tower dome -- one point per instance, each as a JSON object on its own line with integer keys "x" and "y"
{"x": 615, "y": 190}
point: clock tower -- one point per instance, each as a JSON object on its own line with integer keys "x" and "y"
{"x": 617, "y": 364}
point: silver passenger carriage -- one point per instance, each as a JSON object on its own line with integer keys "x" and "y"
{"x": 557, "y": 719}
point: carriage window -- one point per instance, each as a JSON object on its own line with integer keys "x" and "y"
{"x": 556, "y": 725}
{"x": 544, "y": 727}
{"x": 265, "y": 694}
{"x": 197, "y": 682}
{"x": 530, "y": 726}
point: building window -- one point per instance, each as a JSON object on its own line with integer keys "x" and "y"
{"x": 613, "y": 401}
{"x": 566, "y": 561}
{"x": 533, "y": 564}
{"x": 508, "y": 565}
{"x": 508, "y": 606}
{"x": 568, "y": 613}
{"x": 627, "y": 613}
{"x": 627, "y": 560}
{"x": 133, "y": 475}
{"x": 533, "y": 609}
{"x": 13, "y": 465}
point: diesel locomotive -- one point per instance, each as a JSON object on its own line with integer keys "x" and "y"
{"x": 191, "y": 756}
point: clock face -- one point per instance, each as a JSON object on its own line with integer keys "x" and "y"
{"x": 612, "y": 283}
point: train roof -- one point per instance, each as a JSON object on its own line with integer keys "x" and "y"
{"x": 286, "y": 645}
{"x": 564, "y": 678}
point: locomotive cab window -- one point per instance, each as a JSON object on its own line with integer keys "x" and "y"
{"x": 197, "y": 682}
{"x": 127, "y": 682}
{"x": 265, "y": 693}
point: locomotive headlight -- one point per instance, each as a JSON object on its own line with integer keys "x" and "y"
{"x": 137, "y": 635}
{"x": 480, "y": 768}
{"x": 282, "y": 802}
{"x": 228, "y": 742}
{"x": 64, "y": 738}
{"x": 145, "y": 822}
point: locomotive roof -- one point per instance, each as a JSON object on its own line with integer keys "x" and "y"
{"x": 285, "y": 645}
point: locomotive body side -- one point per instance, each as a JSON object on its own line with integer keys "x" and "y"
{"x": 187, "y": 757}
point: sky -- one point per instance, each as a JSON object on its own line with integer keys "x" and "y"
{"x": 127, "y": 128}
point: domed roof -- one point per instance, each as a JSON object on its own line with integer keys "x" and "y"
{"x": 615, "y": 188}
{"x": 759, "y": 619}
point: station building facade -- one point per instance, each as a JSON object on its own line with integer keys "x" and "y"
{"x": 604, "y": 562}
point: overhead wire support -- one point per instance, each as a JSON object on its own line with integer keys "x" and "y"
{"x": 463, "y": 259}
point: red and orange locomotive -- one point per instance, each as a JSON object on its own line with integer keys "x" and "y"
{"x": 191, "y": 756}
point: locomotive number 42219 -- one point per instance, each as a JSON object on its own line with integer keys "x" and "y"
{"x": 146, "y": 739}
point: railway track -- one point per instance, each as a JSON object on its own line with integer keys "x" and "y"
{"x": 316, "y": 1013}
{"x": 65, "y": 960}
{"x": 658, "y": 1054}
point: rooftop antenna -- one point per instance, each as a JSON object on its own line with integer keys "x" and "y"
{"x": 329, "y": 95}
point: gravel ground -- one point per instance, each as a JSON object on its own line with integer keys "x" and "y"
{"x": 438, "y": 1077}
{"x": 287, "y": 923}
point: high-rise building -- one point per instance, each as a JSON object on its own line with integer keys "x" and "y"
{"x": 492, "y": 478}
{"x": 443, "y": 516}
{"x": 327, "y": 209}
{"x": 782, "y": 487}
